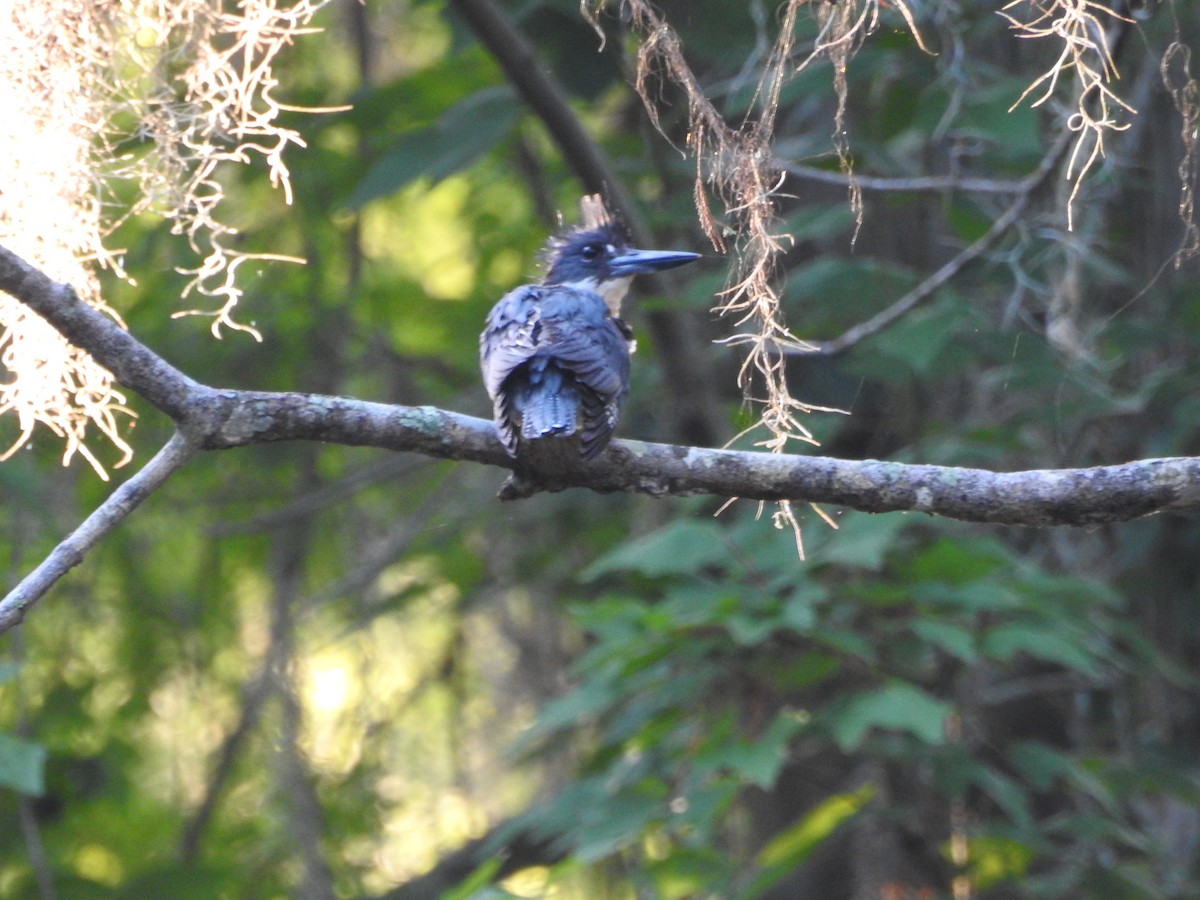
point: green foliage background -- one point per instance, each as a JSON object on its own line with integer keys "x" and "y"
{"x": 318, "y": 671}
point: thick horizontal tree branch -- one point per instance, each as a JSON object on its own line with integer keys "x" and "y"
{"x": 215, "y": 419}
{"x": 1036, "y": 497}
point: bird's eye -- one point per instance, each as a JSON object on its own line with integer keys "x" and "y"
{"x": 590, "y": 251}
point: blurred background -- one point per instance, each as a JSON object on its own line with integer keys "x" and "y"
{"x": 317, "y": 671}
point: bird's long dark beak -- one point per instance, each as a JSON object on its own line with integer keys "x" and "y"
{"x": 643, "y": 262}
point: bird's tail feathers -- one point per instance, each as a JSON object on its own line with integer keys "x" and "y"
{"x": 551, "y": 406}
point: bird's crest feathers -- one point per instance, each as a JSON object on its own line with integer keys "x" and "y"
{"x": 593, "y": 213}
{"x": 596, "y": 224}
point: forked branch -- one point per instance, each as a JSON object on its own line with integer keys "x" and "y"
{"x": 208, "y": 418}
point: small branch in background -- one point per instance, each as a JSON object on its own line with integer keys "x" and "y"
{"x": 360, "y": 577}
{"x": 70, "y": 552}
{"x": 31, "y": 832}
{"x": 304, "y": 808}
{"x": 912, "y": 183}
{"x": 927, "y": 288}
{"x": 517, "y": 58}
{"x": 289, "y": 551}
{"x": 531, "y": 170}
{"x": 35, "y": 849}
{"x": 322, "y": 497}
{"x": 254, "y": 694}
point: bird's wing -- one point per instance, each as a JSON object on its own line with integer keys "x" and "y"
{"x": 584, "y": 339}
{"x": 510, "y": 338}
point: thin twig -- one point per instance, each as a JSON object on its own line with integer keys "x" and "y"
{"x": 70, "y": 552}
{"x": 357, "y": 581}
{"x": 927, "y": 288}
{"x": 254, "y": 695}
{"x": 320, "y": 499}
{"x": 35, "y": 848}
{"x": 913, "y": 183}
{"x": 289, "y": 554}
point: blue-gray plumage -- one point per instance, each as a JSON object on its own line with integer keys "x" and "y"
{"x": 555, "y": 355}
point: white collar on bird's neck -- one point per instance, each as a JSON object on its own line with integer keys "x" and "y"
{"x": 612, "y": 290}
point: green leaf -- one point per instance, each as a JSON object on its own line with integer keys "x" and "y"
{"x": 989, "y": 111}
{"x": 618, "y": 820}
{"x": 915, "y": 345}
{"x": 852, "y": 287}
{"x": 968, "y": 220}
{"x": 689, "y": 872}
{"x": 812, "y": 668}
{"x": 959, "y": 560}
{"x": 585, "y": 702}
{"x": 760, "y": 760}
{"x": 1042, "y": 764}
{"x": 22, "y": 765}
{"x": 461, "y": 136}
{"x": 1039, "y": 763}
{"x": 691, "y": 603}
{"x": 680, "y": 548}
{"x": 862, "y": 540}
{"x": 796, "y": 843}
{"x": 984, "y": 595}
{"x": 1009, "y": 795}
{"x": 847, "y": 641}
{"x": 799, "y": 610}
{"x": 956, "y": 769}
{"x": 180, "y": 882}
{"x": 1006, "y": 641}
{"x": 480, "y": 880}
{"x": 994, "y": 859}
{"x": 417, "y": 97}
{"x": 954, "y": 639}
{"x": 1116, "y": 884}
{"x": 899, "y": 706}
{"x": 751, "y": 629}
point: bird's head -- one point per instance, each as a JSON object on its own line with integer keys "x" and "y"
{"x": 597, "y": 257}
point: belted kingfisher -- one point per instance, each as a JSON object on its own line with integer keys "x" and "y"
{"x": 555, "y": 355}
